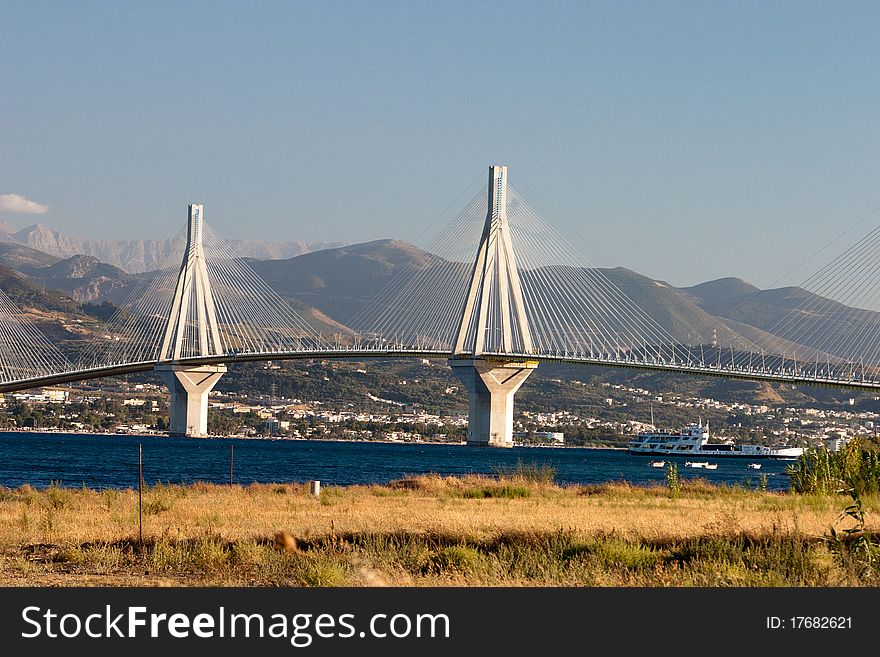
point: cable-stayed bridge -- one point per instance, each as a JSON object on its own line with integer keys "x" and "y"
{"x": 498, "y": 292}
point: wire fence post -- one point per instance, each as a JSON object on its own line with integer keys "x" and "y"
{"x": 141, "y": 496}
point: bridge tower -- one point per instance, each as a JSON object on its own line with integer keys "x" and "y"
{"x": 493, "y": 327}
{"x": 192, "y": 330}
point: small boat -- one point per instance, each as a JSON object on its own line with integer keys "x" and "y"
{"x": 711, "y": 466}
{"x": 697, "y": 464}
{"x": 755, "y": 466}
{"x": 658, "y": 464}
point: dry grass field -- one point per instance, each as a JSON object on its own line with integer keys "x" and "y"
{"x": 517, "y": 530}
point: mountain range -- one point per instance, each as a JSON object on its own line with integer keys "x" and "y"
{"x": 137, "y": 256}
{"x": 330, "y": 287}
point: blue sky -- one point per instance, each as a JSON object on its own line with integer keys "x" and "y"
{"x": 685, "y": 140}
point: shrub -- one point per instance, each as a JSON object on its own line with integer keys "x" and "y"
{"x": 156, "y": 506}
{"x": 456, "y": 559}
{"x": 854, "y": 468}
{"x": 672, "y": 481}
{"x": 509, "y": 491}
{"x": 535, "y": 473}
{"x": 57, "y": 498}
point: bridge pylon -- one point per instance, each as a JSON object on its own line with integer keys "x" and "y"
{"x": 192, "y": 330}
{"x": 493, "y": 324}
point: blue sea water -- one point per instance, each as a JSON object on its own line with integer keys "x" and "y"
{"x": 108, "y": 461}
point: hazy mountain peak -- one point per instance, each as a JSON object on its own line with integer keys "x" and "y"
{"x": 729, "y": 285}
{"x": 390, "y": 251}
{"x": 24, "y": 259}
{"x": 82, "y": 266}
{"x": 36, "y": 230}
{"x": 719, "y": 296}
{"x": 136, "y": 256}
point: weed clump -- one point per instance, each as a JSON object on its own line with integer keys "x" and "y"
{"x": 507, "y": 491}
{"x": 533, "y": 473}
{"x": 855, "y": 467}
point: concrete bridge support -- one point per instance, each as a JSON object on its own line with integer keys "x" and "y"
{"x": 491, "y": 386}
{"x": 493, "y": 321}
{"x": 192, "y": 330}
{"x": 189, "y": 388}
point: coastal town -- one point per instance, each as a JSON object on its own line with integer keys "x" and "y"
{"x": 142, "y": 408}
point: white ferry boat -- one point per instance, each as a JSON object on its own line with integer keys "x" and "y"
{"x": 694, "y": 441}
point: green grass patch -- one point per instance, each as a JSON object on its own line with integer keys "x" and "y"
{"x": 332, "y": 495}
{"x": 533, "y": 473}
{"x": 506, "y": 491}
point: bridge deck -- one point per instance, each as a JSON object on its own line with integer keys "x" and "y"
{"x": 792, "y": 376}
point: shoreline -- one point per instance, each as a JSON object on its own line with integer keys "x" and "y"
{"x": 64, "y": 432}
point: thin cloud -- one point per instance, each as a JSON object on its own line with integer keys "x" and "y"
{"x": 21, "y": 205}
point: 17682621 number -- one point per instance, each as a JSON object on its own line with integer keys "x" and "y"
{"x": 809, "y": 623}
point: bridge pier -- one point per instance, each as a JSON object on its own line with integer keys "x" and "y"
{"x": 189, "y": 388}
{"x": 491, "y": 386}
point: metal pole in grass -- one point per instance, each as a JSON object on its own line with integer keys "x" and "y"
{"x": 231, "y": 461}
{"x": 141, "y": 496}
